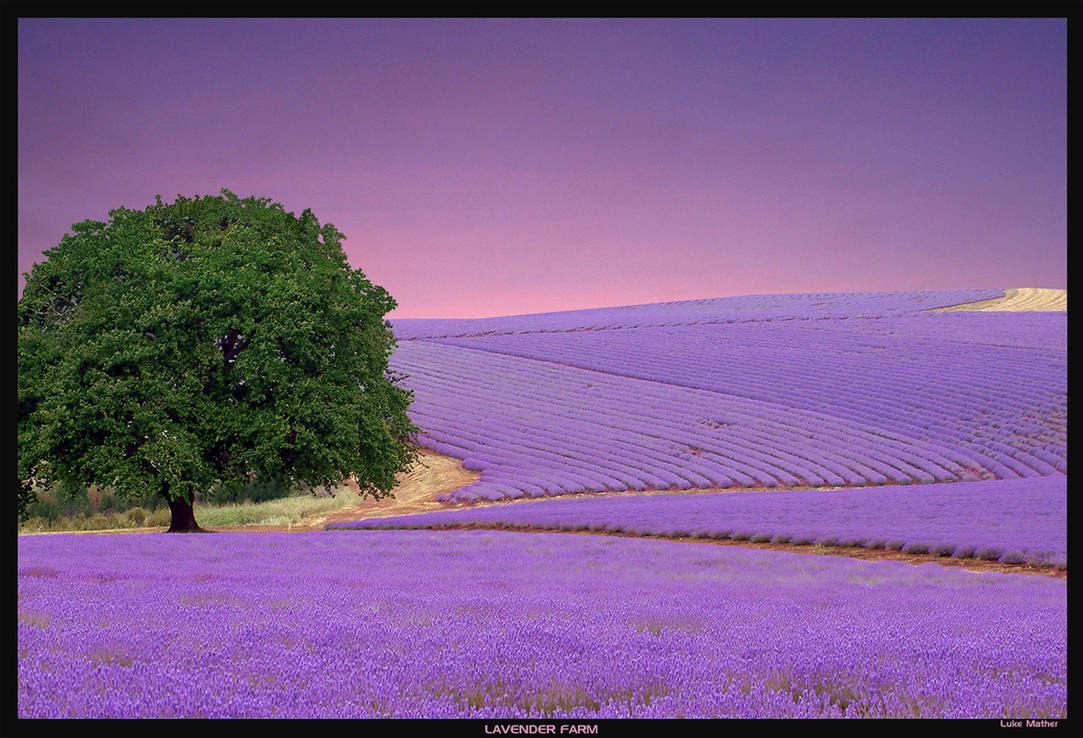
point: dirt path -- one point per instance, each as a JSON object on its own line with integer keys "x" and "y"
{"x": 1018, "y": 299}
{"x": 416, "y": 492}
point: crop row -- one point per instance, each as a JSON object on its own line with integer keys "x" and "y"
{"x": 511, "y": 625}
{"x": 598, "y": 432}
{"x": 1039, "y": 330}
{"x": 1012, "y": 521}
{"x": 537, "y": 428}
{"x": 943, "y": 392}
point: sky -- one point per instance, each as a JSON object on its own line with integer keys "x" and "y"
{"x": 499, "y": 167}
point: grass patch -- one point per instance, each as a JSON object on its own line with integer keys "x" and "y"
{"x": 134, "y": 518}
{"x": 284, "y": 511}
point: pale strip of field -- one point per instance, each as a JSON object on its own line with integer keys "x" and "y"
{"x": 1018, "y": 299}
{"x": 416, "y": 491}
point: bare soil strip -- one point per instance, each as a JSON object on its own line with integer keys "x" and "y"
{"x": 1017, "y": 299}
{"x": 433, "y": 474}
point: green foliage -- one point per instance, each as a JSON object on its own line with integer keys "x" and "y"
{"x": 292, "y": 510}
{"x": 46, "y": 515}
{"x": 206, "y": 344}
{"x": 137, "y": 517}
{"x": 251, "y": 492}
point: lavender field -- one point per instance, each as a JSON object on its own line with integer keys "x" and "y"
{"x": 307, "y": 427}
{"x": 500, "y": 624}
{"x": 857, "y": 419}
{"x": 1012, "y": 521}
{"x": 763, "y": 391}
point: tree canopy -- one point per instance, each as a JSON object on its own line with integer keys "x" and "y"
{"x": 207, "y": 341}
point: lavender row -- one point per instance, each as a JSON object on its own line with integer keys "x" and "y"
{"x": 1012, "y": 521}
{"x": 518, "y": 625}
{"x": 725, "y": 309}
{"x": 538, "y": 428}
{"x": 1020, "y": 330}
{"x": 596, "y": 444}
{"x": 1006, "y": 404}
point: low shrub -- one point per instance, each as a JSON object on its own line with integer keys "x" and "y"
{"x": 1035, "y": 559}
{"x": 252, "y": 491}
{"x": 107, "y": 502}
{"x": 100, "y": 521}
{"x": 34, "y": 525}
{"x": 943, "y": 549}
{"x": 43, "y": 510}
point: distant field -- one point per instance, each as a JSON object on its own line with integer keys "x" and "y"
{"x": 763, "y": 391}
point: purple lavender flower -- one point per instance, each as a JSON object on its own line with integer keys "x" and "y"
{"x": 520, "y": 625}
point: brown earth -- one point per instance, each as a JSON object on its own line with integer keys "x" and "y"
{"x": 433, "y": 474}
{"x": 1018, "y": 299}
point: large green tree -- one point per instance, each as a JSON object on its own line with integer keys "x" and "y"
{"x": 206, "y": 342}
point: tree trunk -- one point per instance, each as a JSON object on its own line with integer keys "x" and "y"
{"x": 182, "y": 517}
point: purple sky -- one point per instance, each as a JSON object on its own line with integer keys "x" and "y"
{"x": 487, "y": 167}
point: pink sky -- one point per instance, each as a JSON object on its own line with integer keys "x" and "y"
{"x": 488, "y": 167}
